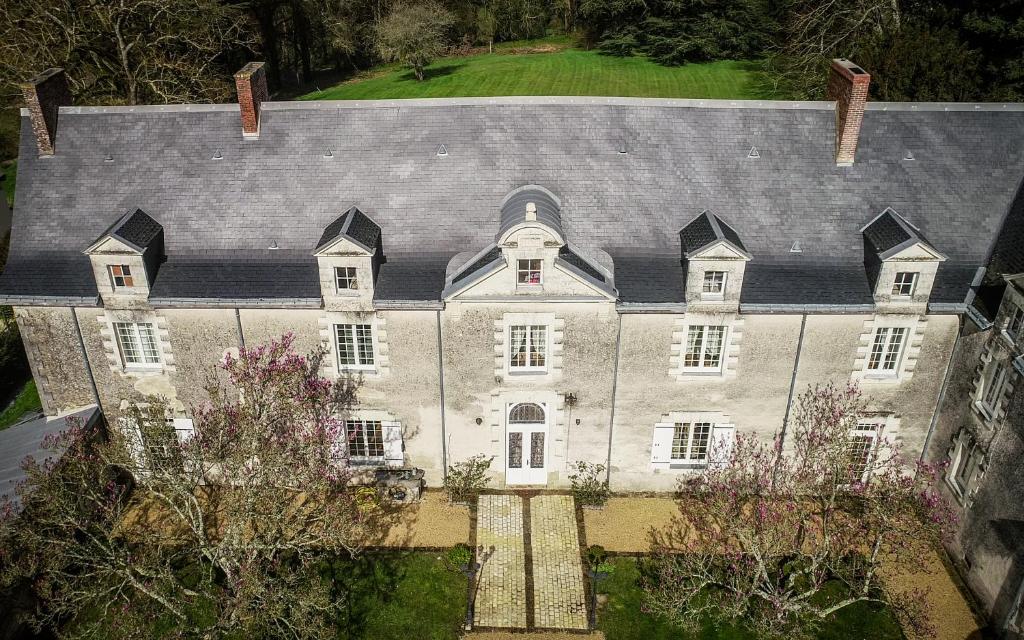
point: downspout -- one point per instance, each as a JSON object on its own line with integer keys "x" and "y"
{"x": 440, "y": 378}
{"x": 85, "y": 359}
{"x": 942, "y": 395}
{"x": 792, "y": 391}
{"x": 615, "y": 386}
{"x": 238, "y": 323}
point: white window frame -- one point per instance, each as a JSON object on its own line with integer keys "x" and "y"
{"x": 871, "y": 429}
{"x": 531, "y": 343}
{"x": 1015, "y": 322}
{"x": 150, "y": 359}
{"x": 898, "y": 284}
{"x": 366, "y": 428}
{"x": 703, "y": 349}
{"x": 710, "y": 278}
{"x": 888, "y": 334}
{"x": 114, "y": 277}
{"x": 528, "y": 270}
{"x": 993, "y": 380}
{"x": 342, "y": 274}
{"x": 688, "y": 446}
{"x": 360, "y": 361}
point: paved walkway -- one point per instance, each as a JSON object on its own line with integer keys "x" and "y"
{"x": 501, "y": 593}
{"x": 558, "y": 595}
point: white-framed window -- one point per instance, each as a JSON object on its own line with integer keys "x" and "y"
{"x": 354, "y": 344}
{"x": 863, "y": 448}
{"x": 714, "y": 284}
{"x": 992, "y": 380}
{"x": 345, "y": 278}
{"x": 904, "y": 284}
{"x": 965, "y": 459}
{"x": 1015, "y": 322}
{"x": 703, "y": 349}
{"x": 137, "y": 344}
{"x": 530, "y": 272}
{"x": 691, "y": 442}
{"x": 120, "y": 276}
{"x": 528, "y": 347}
{"x": 365, "y": 440}
{"x": 887, "y": 349}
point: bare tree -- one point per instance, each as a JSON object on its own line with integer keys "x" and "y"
{"x": 125, "y": 51}
{"x": 414, "y": 33}
{"x": 779, "y": 541}
{"x": 229, "y": 522}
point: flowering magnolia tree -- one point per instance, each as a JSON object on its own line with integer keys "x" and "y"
{"x": 228, "y": 525}
{"x": 779, "y": 541}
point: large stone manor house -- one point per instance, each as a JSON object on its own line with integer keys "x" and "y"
{"x": 546, "y": 280}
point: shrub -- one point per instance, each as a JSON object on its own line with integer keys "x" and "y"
{"x": 467, "y": 478}
{"x": 460, "y": 556}
{"x": 587, "y": 486}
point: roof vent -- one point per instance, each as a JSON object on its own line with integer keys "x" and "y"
{"x": 108, "y": 158}
{"x": 796, "y": 247}
{"x": 754, "y": 154}
{"x": 328, "y": 153}
{"x": 622, "y": 148}
{"x": 217, "y": 155}
{"x": 531, "y": 211}
{"x": 908, "y": 156}
{"x": 273, "y": 246}
{"x": 442, "y": 150}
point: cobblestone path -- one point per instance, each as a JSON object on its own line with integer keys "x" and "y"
{"x": 558, "y": 595}
{"x": 501, "y": 593}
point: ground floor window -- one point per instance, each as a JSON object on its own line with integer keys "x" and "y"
{"x": 690, "y": 441}
{"x": 863, "y": 447}
{"x": 365, "y": 440}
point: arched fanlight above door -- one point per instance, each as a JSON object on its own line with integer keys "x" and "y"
{"x": 526, "y": 413}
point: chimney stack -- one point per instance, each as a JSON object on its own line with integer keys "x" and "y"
{"x": 848, "y": 86}
{"x": 44, "y": 95}
{"x": 251, "y": 83}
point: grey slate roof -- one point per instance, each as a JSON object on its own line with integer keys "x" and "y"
{"x": 706, "y": 229}
{"x": 354, "y": 225}
{"x": 513, "y": 208}
{"x": 682, "y": 158}
{"x": 135, "y": 228}
{"x": 890, "y": 233}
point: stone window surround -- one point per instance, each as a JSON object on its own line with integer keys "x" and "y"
{"x": 502, "y": 338}
{"x": 909, "y": 352}
{"x": 993, "y": 353}
{"x": 964, "y": 446}
{"x": 720, "y": 422}
{"x": 111, "y": 347}
{"x": 378, "y": 325}
{"x": 731, "y": 341}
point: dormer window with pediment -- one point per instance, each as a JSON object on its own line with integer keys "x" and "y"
{"x": 901, "y": 264}
{"x": 126, "y": 257}
{"x": 715, "y": 261}
{"x": 349, "y": 255}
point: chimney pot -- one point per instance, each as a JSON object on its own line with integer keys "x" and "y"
{"x": 848, "y": 87}
{"x": 251, "y": 83}
{"x": 531, "y": 211}
{"x": 44, "y": 95}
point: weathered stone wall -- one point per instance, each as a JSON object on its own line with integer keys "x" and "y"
{"x": 55, "y": 356}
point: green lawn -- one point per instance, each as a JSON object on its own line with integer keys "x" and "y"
{"x": 561, "y": 73}
{"x": 26, "y": 400}
{"x": 622, "y": 619}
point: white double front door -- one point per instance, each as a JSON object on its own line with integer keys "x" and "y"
{"x": 526, "y": 437}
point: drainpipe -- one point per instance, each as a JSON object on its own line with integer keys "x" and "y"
{"x": 238, "y": 323}
{"x": 440, "y": 378}
{"x": 615, "y": 386}
{"x": 85, "y": 359}
{"x": 942, "y": 394}
{"x": 792, "y": 390}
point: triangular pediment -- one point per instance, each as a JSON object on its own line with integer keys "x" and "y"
{"x": 720, "y": 250}
{"x": 342, "y": 246}
{"x": 915, "y": 251}
{"x": 110, "y": 244}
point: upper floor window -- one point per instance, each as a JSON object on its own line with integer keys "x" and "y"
{"x": 886, "y": 349}
{"x": 137, "y": 343}
{"x": 355, "y": 346}
{"x": 904, "y": 284}
{"x": 863, "y": 444}
{"x": 1015, "y": 322}
{"x": 965, "y": 459}
{"x": 992, "y": 380}
{"x": 345, "y": 277}
{"x": 530, "y": 272}
{"x": 528, "y": 347}
{"x": 365, "y": 440}
{"x": 690, "y": 442}
{"x": 704, "y": 348}
{"x": 121, "y": 275}
{"x": 714, "y": 284}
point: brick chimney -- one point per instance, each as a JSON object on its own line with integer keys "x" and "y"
{"x": 251, "y": 83}
{"x": 44, "y": 95}
{"x": 848, "y": 86}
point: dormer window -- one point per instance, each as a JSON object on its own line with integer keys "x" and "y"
{"x": 530, "y": 272}
{"x": 345, "y": 277}
{"x": 121, "y": 276}
{"x": 904, "y": 284}
{"x": 714, "y": 284}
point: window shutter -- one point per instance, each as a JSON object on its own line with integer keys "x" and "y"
{"x": 723, "y": 437}
{"x": 184, "y": 428}
{"x": 661, "y": 448}
{"x": 394, "y": 447}
{"x": 133, "y": 438}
